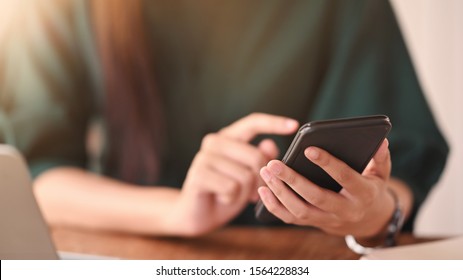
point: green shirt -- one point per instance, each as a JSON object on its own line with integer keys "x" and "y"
{"x": 217, "y": 62}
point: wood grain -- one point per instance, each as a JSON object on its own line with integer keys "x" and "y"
{"x": 227, "y": 243}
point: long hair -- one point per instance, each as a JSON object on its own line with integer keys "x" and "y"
{"x": 132, "y": 107}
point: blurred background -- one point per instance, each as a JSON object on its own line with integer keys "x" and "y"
{"x": 432, "y": 30}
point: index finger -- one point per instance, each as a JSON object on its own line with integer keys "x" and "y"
{"x": 342, "y": 173}
{"x": 254, "y": 124}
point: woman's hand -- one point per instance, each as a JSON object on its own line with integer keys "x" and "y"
{"x": 224, "y": 174}
{"x": 362, "y": 208}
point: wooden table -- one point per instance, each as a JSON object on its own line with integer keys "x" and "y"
{"x": 227, "y": 243}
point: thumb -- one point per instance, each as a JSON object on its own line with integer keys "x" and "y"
{"x": 380, "y": 164}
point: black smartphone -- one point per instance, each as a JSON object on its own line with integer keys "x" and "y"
{"x": 352, "y": 140}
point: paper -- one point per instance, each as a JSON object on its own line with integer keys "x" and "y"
{"x": 448, "y": 249}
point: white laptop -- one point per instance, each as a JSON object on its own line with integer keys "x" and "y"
{"x": 23, "y": 231}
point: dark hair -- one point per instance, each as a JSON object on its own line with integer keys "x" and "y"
{"x": 132, "y": 107}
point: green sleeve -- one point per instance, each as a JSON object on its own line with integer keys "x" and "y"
{"x": 44, "y": 87}
{"x": 369, "y": 71}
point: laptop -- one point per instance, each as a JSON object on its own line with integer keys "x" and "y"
{"x": 23, "y": 231}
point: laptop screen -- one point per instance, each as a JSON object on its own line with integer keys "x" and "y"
{"x": 24, "y": 233}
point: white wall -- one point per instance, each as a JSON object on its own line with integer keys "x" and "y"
{"x": 433, "y": 31}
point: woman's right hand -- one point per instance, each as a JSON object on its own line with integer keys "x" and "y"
{"x": 224, "y": 174}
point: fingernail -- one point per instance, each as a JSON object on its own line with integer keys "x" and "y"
{"x": 274, "y": 167}
{"x": 384, "y": 151}
{"x": 291, "y": 123}
{"x": 265, "y": 174}
{"x": 261, "y": 192}
{"x": 225, "y": 199}
{"x": 312, "y": 153}
{"x": 387, "y": 142}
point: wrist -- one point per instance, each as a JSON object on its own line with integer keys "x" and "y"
{"x": 175, "y": 223}
{"x": 185, "y": 219}
{"x": 386, "y": 237}
{"x": 166, "y": 216}
{"x": 373, "y": 228}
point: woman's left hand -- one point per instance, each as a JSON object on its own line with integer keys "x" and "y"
{"x": 362, "y": 208}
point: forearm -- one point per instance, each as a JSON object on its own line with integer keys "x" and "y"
{"x": 74, "y": 197}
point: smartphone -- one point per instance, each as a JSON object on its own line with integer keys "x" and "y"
{"x": 352, "y": 140}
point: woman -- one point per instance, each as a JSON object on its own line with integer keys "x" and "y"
{"x": 177, "y": 85}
